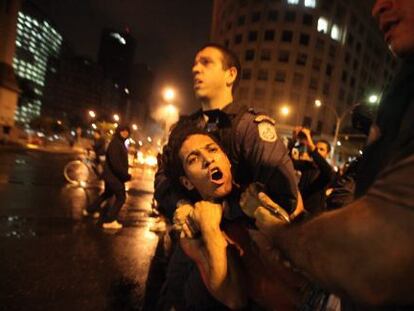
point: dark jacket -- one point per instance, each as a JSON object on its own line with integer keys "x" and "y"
{"x": 315, "y": 177}
{"x": 116, "y": 163}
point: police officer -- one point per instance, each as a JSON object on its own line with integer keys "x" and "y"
{"x": 248, "y": 137}
{"x": 254, "y": 149}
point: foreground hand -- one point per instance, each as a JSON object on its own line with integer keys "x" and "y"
{"x": 207, "y": 215}
{"x": 254, "y": 197}
{"x": 267, "y": 223}
{"x": 249, "y": 200}
{"x": 180, "y": 219}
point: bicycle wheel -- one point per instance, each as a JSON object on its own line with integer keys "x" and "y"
{"x": 76, "y": 172}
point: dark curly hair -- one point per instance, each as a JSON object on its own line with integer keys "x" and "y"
{"x": 171, "y": 161}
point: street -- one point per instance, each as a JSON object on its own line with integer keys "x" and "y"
{"x": 53, "y": 258}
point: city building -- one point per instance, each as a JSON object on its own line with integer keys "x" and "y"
{"x": 72, "y": 89}
{"x": 296, "y": 52}
{"x": 9, "y": 90}
{"x": 142, "y": 79}
{"x": 37, "y": 41}
{"x": 116, "y": 56}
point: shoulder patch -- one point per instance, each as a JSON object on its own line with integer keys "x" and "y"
{"x": 267, "y": 131}
{"x": 266, "y": 118}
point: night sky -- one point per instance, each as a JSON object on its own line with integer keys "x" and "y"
{"x": 168, "y": 32}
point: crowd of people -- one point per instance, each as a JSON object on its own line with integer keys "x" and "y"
{"x": 263, "y": 226}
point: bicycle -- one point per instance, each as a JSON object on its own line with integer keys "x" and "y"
{"x": 82, "y": 171}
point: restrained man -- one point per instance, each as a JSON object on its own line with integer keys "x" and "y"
{"x": 232, "y": 266}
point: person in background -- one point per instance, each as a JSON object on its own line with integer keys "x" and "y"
{"x": 115, "y": 175}
{"x": 309, "y": 159}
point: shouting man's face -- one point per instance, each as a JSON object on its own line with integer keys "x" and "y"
{"x": 206, "y": 167}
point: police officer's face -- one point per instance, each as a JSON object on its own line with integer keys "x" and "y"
{"x": 396, "y": 21}
{"x": 206, "y": 167}
{"x": 210, "y": 78}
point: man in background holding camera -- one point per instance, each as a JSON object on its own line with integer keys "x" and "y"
{"x": 309, "y": 159}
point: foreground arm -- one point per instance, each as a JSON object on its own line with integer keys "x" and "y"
{"x": 217, "y": 264}
{"x": 364, "y": 251}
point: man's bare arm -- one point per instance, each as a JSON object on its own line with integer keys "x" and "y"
{"x": 218, "y": 265}
{"x": 364, "y": 251}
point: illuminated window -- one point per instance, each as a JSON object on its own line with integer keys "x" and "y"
{"x": 293, "y": 1}
{"x": 335, "y": 33}
{"x": 310, "y": 3}
{"x": 322, "y": 25}
{"x": 118, "y": 37}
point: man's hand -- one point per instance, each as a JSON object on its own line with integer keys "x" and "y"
{"x": 267, "y": 223}
{"x": 309, "y": 141}
{"x": 253, "y": 197}
{"x": 207, "y": 215}
{"x": 249, "y": 200}
{"x": 180, "y": 218}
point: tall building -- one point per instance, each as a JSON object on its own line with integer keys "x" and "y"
{"x": 8, "y": 85}
{"x": 37, "y": 41}
{"x": 294, "y": 52}
{"x": 73, "y": 88}
{"x": 116, "y": 56}
{"x": 141, "y": 82}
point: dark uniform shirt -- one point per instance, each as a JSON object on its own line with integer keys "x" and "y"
{"x": 255, "y": 151}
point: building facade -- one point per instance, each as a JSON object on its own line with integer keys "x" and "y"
{"x": 37, "y": 41}
{"x": 9, "y": 89}
{"x": 294, "y": 52}
{"x": 116, "y": 56}
{"x": 74, "y": 88}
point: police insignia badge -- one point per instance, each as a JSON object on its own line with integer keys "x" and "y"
{"x": 267, "y": 131}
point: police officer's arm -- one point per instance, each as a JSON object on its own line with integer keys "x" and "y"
{"x": 365, "y": 250}
{"x": 267, "y": 159}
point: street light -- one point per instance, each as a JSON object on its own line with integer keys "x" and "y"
{"x": 339, "y": 119}
{"x": 116, "y": 117}
{"x": 168, "y": 94}
{"x": 92, "y": 114}
{"x": 373, "y": 98}
{"x": 285, "y": 110}
{"x": 170, "y": 109}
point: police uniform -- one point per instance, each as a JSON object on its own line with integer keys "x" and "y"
{"x": 256, "y": 152}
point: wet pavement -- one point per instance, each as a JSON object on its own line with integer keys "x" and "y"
{"x": 52, "y": 258}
